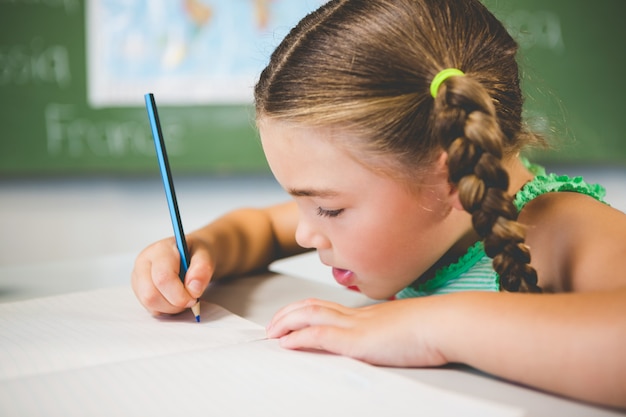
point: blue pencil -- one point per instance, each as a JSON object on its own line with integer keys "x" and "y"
{"x": 168, "y": 183}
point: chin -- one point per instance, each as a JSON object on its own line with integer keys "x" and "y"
{"x": 378, "y": 295}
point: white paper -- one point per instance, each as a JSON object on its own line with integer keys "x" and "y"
{"x": 99, "y": 354}
{"x": 105, "y": 326}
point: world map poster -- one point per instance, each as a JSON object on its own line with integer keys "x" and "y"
{"x": 184, "y": 51}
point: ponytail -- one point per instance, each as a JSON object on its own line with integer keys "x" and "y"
{"x": 464, "y": 120}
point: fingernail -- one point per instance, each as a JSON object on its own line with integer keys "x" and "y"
{"x": 195, "y": 288}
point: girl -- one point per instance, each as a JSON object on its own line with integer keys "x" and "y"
{"x": 396, "y": 126}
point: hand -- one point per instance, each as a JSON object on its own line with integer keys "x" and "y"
{"x": 156, "y": 282}
{"x": 395, "y": 333}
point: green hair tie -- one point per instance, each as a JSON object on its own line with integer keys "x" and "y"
{"x": 441, "y": 77}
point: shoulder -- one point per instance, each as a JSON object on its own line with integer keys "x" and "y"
{"x": 577, "y": 243}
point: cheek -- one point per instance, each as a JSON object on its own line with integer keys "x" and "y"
{"x": 372, "y": 246}
{"x": 400, "y": 247}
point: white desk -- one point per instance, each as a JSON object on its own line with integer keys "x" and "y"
{"x": 256, "y": 299}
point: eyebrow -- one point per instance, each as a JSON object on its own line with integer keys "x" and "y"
{"x": 312, "y": 192}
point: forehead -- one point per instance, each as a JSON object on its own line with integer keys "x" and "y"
{"x": 332, "y": 154}
{"x": 308, "y": 160}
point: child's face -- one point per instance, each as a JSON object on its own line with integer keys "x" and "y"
{"x": 374, "y": 232}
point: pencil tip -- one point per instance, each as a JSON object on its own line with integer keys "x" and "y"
{"x": 195, "y": 309}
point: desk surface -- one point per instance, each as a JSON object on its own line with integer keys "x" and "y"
{"x": 257, "y": 298}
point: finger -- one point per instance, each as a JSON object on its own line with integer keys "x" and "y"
{"x": 312, "y": 314}
{"x": 147, "y": 294}
{"x": 344, "y": 342}
{"x": 199, "y": 273}
{"x": 166, "y": 279}
{"x": 308, "y": 303}
{"x": 292, "y": 307}
{"x": 324, "y": 337}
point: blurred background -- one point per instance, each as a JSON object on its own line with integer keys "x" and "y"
{"x": 78, "y": 173}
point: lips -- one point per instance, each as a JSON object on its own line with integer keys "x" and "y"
{"x": 343, "y": 277}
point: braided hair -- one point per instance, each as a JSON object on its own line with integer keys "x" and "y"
{"x": 366, "y": 67}
{"x": 465, "y": 121}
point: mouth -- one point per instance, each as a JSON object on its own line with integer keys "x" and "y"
{"x": 344, "y": 277}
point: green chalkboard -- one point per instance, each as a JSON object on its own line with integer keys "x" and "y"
{"x": 49, "y": 127}
{"x": 572, "y": 58}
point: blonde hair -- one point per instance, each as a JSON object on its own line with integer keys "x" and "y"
{"x": 366, "y": 66}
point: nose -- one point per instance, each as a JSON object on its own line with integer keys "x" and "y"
{"x": 308, "y": 236}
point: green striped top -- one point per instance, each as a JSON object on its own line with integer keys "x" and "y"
{"x": 473, "y": 271}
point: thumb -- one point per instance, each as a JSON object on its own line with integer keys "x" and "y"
{"x": 198, "y": 274}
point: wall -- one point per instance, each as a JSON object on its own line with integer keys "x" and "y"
{"x": 571, "y": 60}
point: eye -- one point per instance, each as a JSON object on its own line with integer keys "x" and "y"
{"x": 328, "y": 213}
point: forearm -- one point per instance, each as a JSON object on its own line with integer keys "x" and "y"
{"x": 571, "y": 344}
{"x": 247, "y": 240}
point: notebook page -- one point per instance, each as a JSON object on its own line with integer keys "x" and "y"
{"x": 99, "y": 353}
{"x": 249, "y": 379}
{"x": 104, "y": 326}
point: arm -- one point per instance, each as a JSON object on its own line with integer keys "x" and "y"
{"x": 242, "y": 241}
{"x": 568, "y": 343}
{"x": 248, "y": 240}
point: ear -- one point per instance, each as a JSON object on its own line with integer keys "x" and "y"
{"x": 441, "y": 167}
